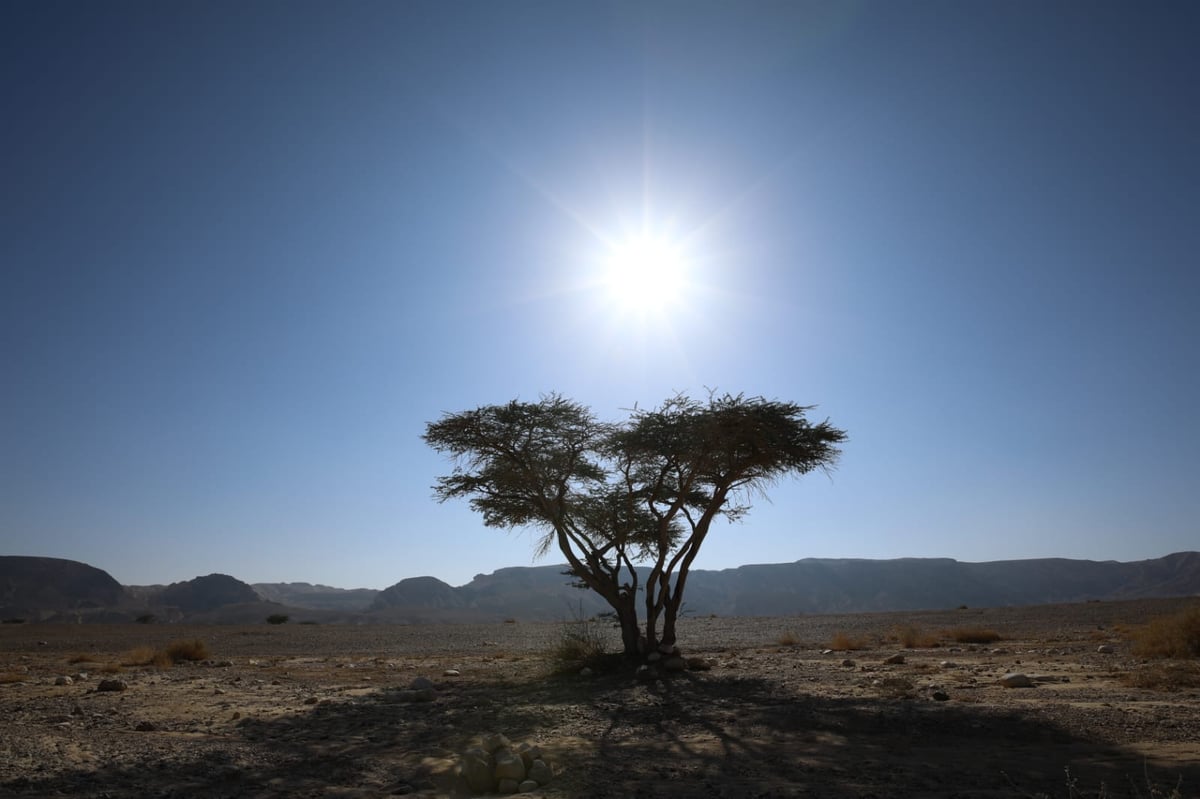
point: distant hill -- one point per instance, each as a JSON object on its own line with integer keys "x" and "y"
{"x": 46, "y": 588}
{"x": 820, "y": 585}
{"x": 207, "y": 593}
{"x": 317, "y": 597}
{"x": 51, "y": 589}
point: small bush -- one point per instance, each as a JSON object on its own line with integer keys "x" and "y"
{"x": 1176, "y": 636}
{"x": 844, "y": 643}
{"x": 910, "y": 636}
{"x": 111, "y": 668}
{"x": 193, "y": 650}
{"x": 788, "y": 638}
{"x": 142, "y": 656}
{"x": 81, "y": 658}
{"x": 974, "y": 635}
{"x": 1174, "y": 676}
{"x": 277, "y": 618}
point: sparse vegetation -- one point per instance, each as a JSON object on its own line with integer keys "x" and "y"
{"x": 82, "y": 658}
{"x": 142, "y": 656}
{"x": 11, "y": 677}
{"x": 581, "y": 643}
{"x": 974, "y": 635}
{"x": 1171, "y": 676}
{"x": 193, "y": 649}
{"x": 844, "y": 643}
{"x": 1175, "y": 636}
{"x": 14, "y": 621}
{"x": 910, "y": 636}
{"x": 147, "y": 618}
{"x": 277, "y": 618}
{"x": 788, "y": 638}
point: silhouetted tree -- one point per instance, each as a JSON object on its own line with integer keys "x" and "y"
{"x": 613, "y": 496}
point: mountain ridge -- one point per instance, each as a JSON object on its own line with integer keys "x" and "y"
{"x": 52, "y": 589}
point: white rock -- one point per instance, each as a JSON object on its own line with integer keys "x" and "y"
{"x": 451, "y": 673}
{"x": 1016, "y": 680}
{"x": 1104, "y": 649}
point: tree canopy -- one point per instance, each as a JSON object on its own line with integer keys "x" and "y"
{"x": 615, "y": 496}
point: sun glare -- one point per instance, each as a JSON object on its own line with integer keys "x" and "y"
{"x": 645, "y": 273}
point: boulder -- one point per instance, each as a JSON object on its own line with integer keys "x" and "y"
{"x": 1017, "y": 680}
{"x": 509, "y": 765}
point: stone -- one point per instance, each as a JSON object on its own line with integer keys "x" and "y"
{"x": 451, "y": 673}
{"x": 668, "y": 649}
{"x": 675, "y": 663}
{"x": 699, "y": 664}
{"x": 848, "y": 663}
{"x": 145, "y": 726}
{"x": 507, "y": 786}
{"x": 1017, "y": 680}
{"x": 894, "y": 660}
{"x": 527, "y": 786}
{"x": 585, "y": 672}
{"x": 477, "y": 770}
{"x": 63, "y": 680}
{"x": 949, "y": 664}
{"x": 112, "y": 685}
{"x": 494, "y": 741}
{"x": 421, "y": 683}
{"x": 508, "y": 765}
{"x": 528, "y": 752}
{"x": 312, "y": 700}
{"x": 940, "y": 696}
{"x": 1105, "y": 649}
{"x": 653, "y": 657}
{"x": 540, "y": 772}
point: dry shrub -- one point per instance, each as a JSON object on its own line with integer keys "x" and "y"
{"x": 142, "y": 656}
{"x": 788, "y": 638}
{"x": 193, "y": 649}
{"x": 1176, "y": 636}
{"x": 11, "y": 677}
{"x": 1173, "y": 676}
{"x": 844, "y": 643}
{"x": 910, "y": 636}
{"x": 81, "y": 658}
{"x": 111, "y": 668}
{"x": 974, "y": 635}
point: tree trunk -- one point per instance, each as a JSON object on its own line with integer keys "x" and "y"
{"x": 630, "y": 633}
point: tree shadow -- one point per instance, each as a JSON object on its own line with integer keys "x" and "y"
{"x": 609, "y": 736}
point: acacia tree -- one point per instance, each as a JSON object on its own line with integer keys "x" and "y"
{"x": 613, "y": 497}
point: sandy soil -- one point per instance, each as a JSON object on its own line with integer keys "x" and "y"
{"x": 323, "y": 711}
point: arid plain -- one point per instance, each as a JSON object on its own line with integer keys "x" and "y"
{"x": 294, "y": 710}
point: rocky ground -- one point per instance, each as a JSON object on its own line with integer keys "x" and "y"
{"x": 325, "y": 711}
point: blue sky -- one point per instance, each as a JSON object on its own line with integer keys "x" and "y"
{"x": 250, "y": 249}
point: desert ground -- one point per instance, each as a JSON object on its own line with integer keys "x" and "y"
{"x": 296, "y": 710}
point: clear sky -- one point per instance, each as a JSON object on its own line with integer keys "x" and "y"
{"x": 249, "y": 249}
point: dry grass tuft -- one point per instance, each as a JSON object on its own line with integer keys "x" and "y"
{"x": 111, "y": 668}
{"x": 1174, "y": 676}
{"x": 844, "y": 643}
{"x": 910, "y": 636}
{"x": 12, "y": 677}
{"x": 974, "y": 635}
{"x": 193, "y": 650}
{"x": 82, "y": 658}
{"x": 142, "y": 656}
{"x": 788, "y": 638}
{"x": 1176, "y": 636}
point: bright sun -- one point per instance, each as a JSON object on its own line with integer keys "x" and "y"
{"x": 645, "y": 273}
